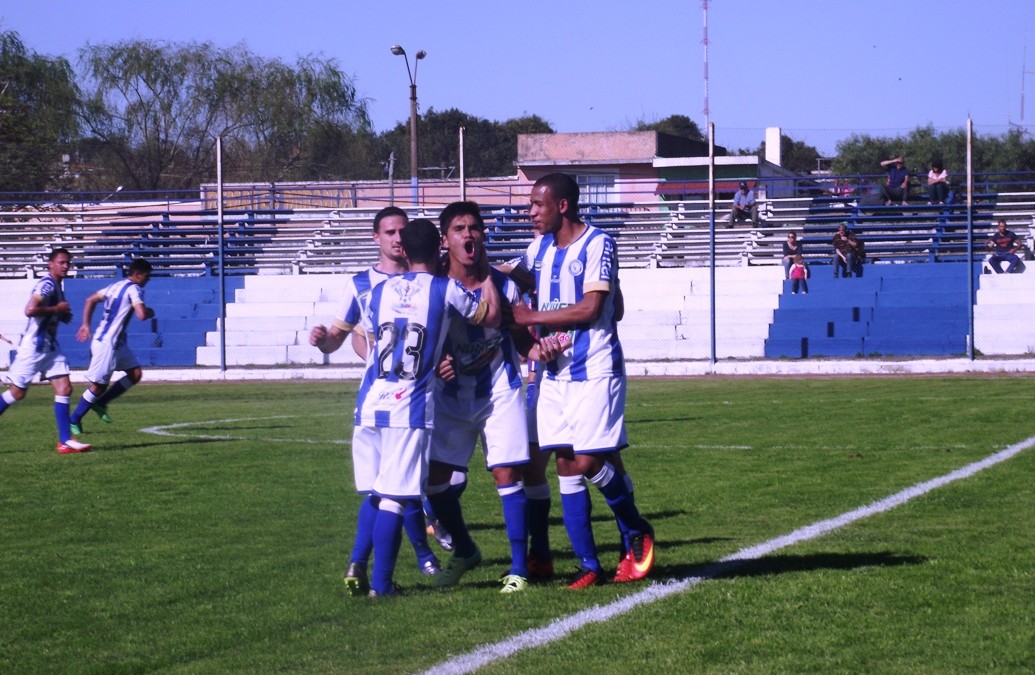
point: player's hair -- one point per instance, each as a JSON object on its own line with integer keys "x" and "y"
{"x": 58, "y": 251}
{"x": 389, "y": 211}
{"x": 562, "y": 186}
{"x": 459, "y": 209}
{"x": 140, "y": 265}
{"x": 421, "y": 241}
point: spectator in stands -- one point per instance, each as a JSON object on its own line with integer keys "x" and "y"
{"x": 744, "y": 206}
{"x": 846, "y": 252}
{"x": 896, "y": 189}
{"x": 937, "y": 183}
{"x": 791, "y": 248}
{"x": 799, "y": 276}
{"x": 1003, "y": 245}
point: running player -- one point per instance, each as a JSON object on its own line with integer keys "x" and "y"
{"x": 39, "y": 352}
{"x": 110, "y": 350}
{"x": 481, "y": 399}
{"x": 581, "y": 408}
{"x": 406, "y": 319}
{"x": 388, "y": 226}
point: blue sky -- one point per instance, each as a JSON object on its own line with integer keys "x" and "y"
{"x": 879, "y": 67}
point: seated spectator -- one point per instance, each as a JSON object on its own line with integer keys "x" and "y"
{"x": 744, "y": 206}
{"x": 791, "y": 248}
{"x": 1003, "y": 245}
{"x": 896, "y": 189}
{"x": 847, "y": 258}
{"x": 937, "y": 183}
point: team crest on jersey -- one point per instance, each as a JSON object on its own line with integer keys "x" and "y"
{"x": 576, "y": 268}
{"x": 405, "y": 290}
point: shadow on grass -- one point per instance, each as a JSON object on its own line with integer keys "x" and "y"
{"x": 785, "y": 564}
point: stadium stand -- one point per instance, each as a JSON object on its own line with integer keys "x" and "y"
{"x": 287, "y": 267}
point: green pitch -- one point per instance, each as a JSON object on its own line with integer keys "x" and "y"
{"x": 215, "y": 542}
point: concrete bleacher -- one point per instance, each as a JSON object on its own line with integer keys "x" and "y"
{"x": 903, "y": 309}
{"x": 186, "y": 308}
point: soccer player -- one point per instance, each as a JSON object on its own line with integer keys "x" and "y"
{"x": 388, "y": 226}
{"x": 481, "y": 399}
{"x": 39, "y": 352}
{"x": 110, "y": 350}
{"x": 581, "y": 407}
{"x": 406, "y": 320}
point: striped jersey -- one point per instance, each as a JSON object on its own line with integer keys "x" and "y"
{"x": 119, "y": 300}
{"x": 408, "y": 316}
{"x": 356, "y": 293}
{"x": 484, "y": 359}
{"x": 40, "y": 334}
{"x": 562, "y": 277}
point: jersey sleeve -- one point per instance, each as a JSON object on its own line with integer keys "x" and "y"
{"x": 465, "y": 302}
{"x": 601, "y": 266}
{"x": 350, "y": 314}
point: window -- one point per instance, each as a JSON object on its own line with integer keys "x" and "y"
{"x": 596, "y": 188}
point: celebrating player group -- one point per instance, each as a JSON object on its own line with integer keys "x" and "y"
{"x": 443, "y": 339}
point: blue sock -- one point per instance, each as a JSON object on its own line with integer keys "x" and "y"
{"x": 363, "y": 544}
{"x": 84, "y": 406}
{"x": 514, "y": 507}
{"x": 447, "y": 507}
{"x": 429, "y": 510}
{"x": 577, "y": 508}
{"x": 616, "y": 492}
{"x": 538, "y": 519}
{"x": 6, "y": 401}
{"x": 114, "y": 391}
{"x": 416, "y": 532}
{"x": 61, "y": 416}
{"x": 387, "y": 540}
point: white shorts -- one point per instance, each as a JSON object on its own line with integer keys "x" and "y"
{"x": 499, "y": 421}
{"x": 28, "y": 362}
{"x": 588, "y": 417}
{"x": 390, "y": 462}
{"x": 105, "y": 360}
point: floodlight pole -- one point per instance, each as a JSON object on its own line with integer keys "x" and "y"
{"x": 399, "y": 51}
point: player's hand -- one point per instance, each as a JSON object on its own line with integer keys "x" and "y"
{"x": 83, "y": 334}
{"x": 549, "y": 347}
{"x": 317, "y": 335}
{"x": 445, "y": 371}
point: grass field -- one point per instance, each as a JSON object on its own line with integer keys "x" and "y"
{"x": 220, "y": 548}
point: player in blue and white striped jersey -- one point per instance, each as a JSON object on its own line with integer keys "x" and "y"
{"x": 479, "y": 397}
{"x": 406, "y": 321}
{"x": 39, "y": 351}
{"x": 388, "y": 226}
{"x": 581, "y": 408}
{"x": 109, "y": 350}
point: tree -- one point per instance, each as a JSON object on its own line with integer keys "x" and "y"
{"x": 490, "y": 147}
{"x": 159, "y": 107}
{"x": 674, "y": 125}
{"x": 795, "y": 156}
{"x": 38, "y": 101}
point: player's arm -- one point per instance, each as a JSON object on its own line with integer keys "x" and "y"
{"x": 490, "y": 307}
{"x": 586, "y": 310}
{"x": 83, "y": 334}
{"x": 360, "y": 344}
{"x": 35, "y": 307}
{"x": 142, "y": 311}
{"x": 329, "y": 340}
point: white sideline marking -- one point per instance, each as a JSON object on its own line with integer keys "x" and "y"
{"x": 164, "y": 430}
{"x": 559, "y": 628}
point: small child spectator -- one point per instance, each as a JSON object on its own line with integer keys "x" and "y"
{"x": 799, "y": 276}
